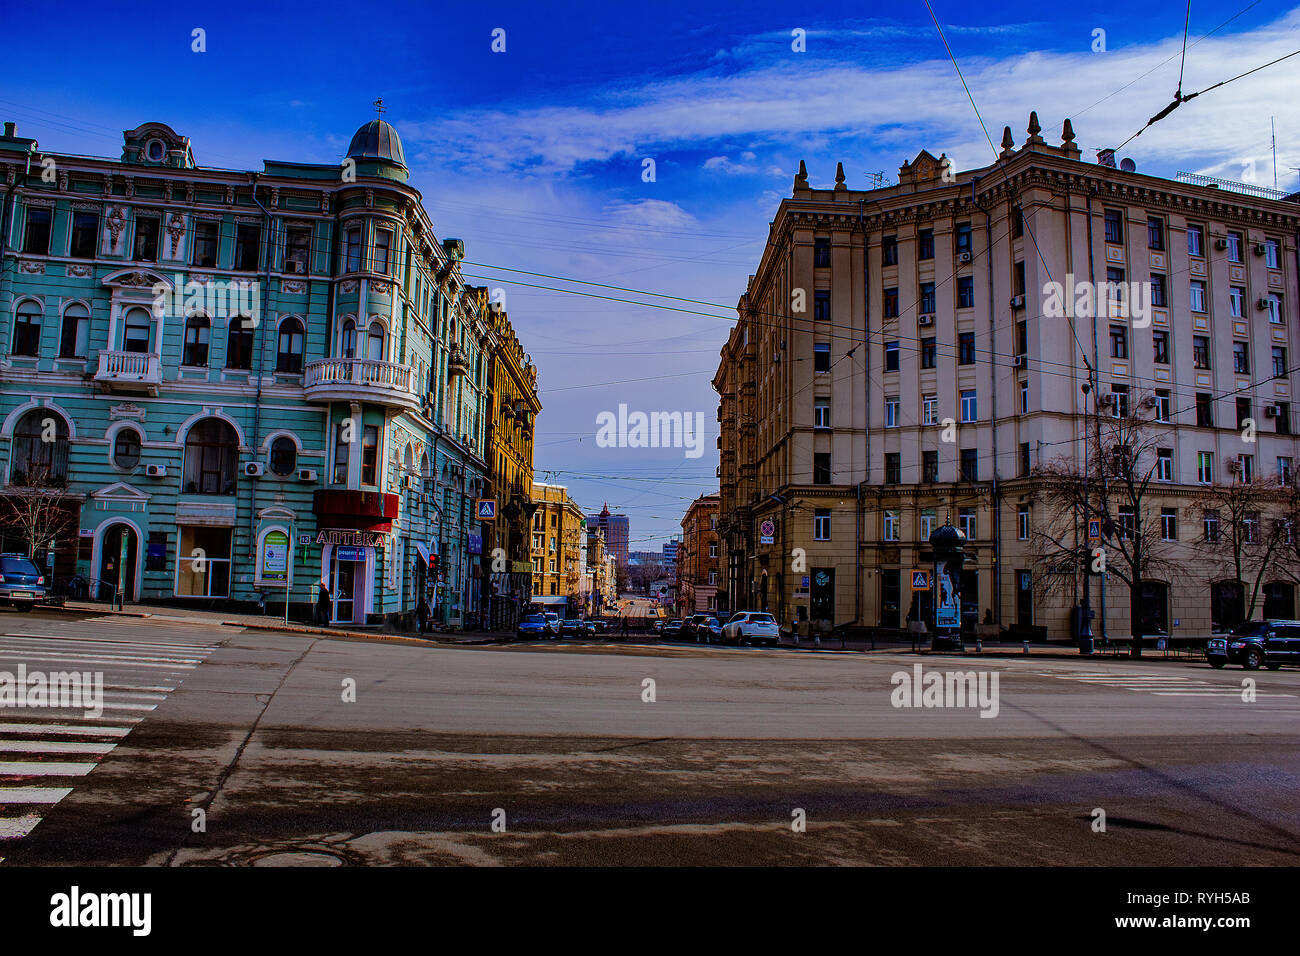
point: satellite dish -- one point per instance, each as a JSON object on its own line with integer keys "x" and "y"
{"x": 1128, "y": 165}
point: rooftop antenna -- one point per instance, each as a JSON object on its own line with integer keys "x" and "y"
{"x": 1272, "y": 127}
{"x": 877, "y": 179}
{"x": 379, "y": 107}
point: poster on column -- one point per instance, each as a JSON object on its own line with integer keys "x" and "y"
{"x": 947, "y": 610}
{"x": 275, "y": 556}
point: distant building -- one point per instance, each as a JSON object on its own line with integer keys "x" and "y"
{"x": 558, "y": 527}
{"x": 698, "y": 558}
{"x": 615, "y": 528}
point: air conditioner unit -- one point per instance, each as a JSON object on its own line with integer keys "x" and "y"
{"x": 1234, "y": 466}
{"x": 306, "y": 474}
{"x": 1221, "y": 244}
{"x": 1261, "y": 304}
{"x": 253, "y": 469}
{"x": 926, "y": 319}
{"x": 963, "y": 257}
{"x": 1270, "y": 411}
{"x": 1017, "y": 302}
{"x": 1260, "y": 249}
{"x": 1020, "y": 361}
{"x": 156, "y": 471}
{"x": 295, "y": 266}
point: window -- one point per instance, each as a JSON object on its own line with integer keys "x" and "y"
{"x": 969, "y": 464}
{"x": 1126, "y": 523}
{"x": 1158, "y": 290}
{"x": 929, "y": 467}
{"x": 928, "y": 352}
{"x": 1283, "y": 418}
{"x": 1197, "y": 295}
{"x": 966, "y": 348}
{"x": 821, "y": 468}
{"x": 1155, "y": 233}
{"x": 126, "y": 449}
{"x": 1279, "y": 361}
{"x": 1237, "y": 301}
{"x": 137, "y": 333}
{"x": 1195, "y": 241}
{"x": 966, "y": 521}
{"x": 891, "y": 525}
{"x": 27, "y": 330}
{"x": 248, "y": 247}
{"x": 1160, "y": 347}
{"x": 239, "y": 344}
{"x": 1018, "y": 278}
{"x": 822, "y": 413}
{"x": 891, "y": 303}
{"x": 927, "y": 298}
{"x": 822, "y": 524}
{"x": 211, "y": 450}
{"x": 348, "y": 339}
{"x": 1119, "y": 401}
{"x": 370, "y": 455}
{"x": 925, "y": 244}
{"x": 1246, "y": 468}
{"x": 352, "y": 249}
{"x": 1204, "y": 409}
{"x": 85, "y": 235}
{"x": 1025, "y": 464}
{"x": 1273, "y": 303}
{"x": 197, "y": 332}
{"x": 822, "y": 357}
{"x": 1284, "y": 470}
{"x": 36, "y": 241}
{"x": 1270, "y": 253}
{"x": 288, "y": 352}
{"x": 1234, "y": 247}
{"x": 929, "y": 409}
{"x": 822, "y": 305}
{"x": 927, "y": 523}
{"x": 1241, "y": 358}
{"x": 1210, "y": 525}
{"x": 205, "y": 243}
{"x": 891, "y": 411}
{"x": 203, "y": 562}
{"x": 963, "y": 237}
{"x": 965, "y": 292}
{"x": 36, "y": 462}
{"x": 297, "y": 249}
{"x": 1168, "y": 524}
{"x": 1205, "y": 467}
{"x": 341, "y": 431}
{"x": 74, "y": 339}
{"x": 1164, "y": 464}
{"x": 383, "y": 246}
{"x": 891, "y": 356}
{"x": 1118, "y": 342}
{"x": 969, "y": 409}
{"x": 1162, "y": 404}
{"x": 1017, "y": 222}
{"x": 1024, "y": 397}
{"x": 284, "y": 456}
{"x": 375, "y": 342}
{"x": 146, "y": 238}
{"x": 1201, "y": 351}
{"x": 1114, "y": 225}
{"x": 1022, "y": 523}
{"x": 893, "y": 468}
{"x": 821, "y": 253}
{"x": 889, "y": 251}
{"x": 713, "y": 550}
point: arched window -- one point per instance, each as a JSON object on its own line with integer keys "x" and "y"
{"x": 27, "y": 330}
{"x": 211, "y": 450}
{"x": 375, "y": 342}
{"x": 74, "y": 340}
{"x": 239, "y": 344}
{"x": 40, "y": 450}
{"x": 284, "y": 456}
{"x": 198, "y": 332}
{"x": 348, "y": 341}
{"x": 288, "y": 353}
{"x": 424, "y": 465}
{"x": 137, "y": 335}
{"x": 408, "y": 462}
{"x": 1227, "y": 605}
{"x": 126, "y": 449}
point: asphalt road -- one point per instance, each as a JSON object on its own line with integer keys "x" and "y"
{"x": 559, "y": 745}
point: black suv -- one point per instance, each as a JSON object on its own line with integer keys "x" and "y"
{"x": 1255, "y": 643}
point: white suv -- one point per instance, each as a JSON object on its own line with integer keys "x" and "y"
{"x": 752, "y": 627}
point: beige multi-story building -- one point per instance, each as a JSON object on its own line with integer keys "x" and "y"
{"x": 898, "y": 363}
{"x": 699, "y": 558}
{"x": 558, "y": 525}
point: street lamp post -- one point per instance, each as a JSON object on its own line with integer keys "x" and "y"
{"x": 1086, "y": 643}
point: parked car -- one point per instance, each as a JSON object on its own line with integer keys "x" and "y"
{"x": 752, "y": 627}
{"x": 689, "y": 626}
{"x": 553, "y": 624}
{"x": 22, "y": 585}
{"x": 597, "y": 625}
{"x": 577, "y": 627}
{"x": 1253, "y": 644}
{"x": 532, "y": 625}
{"x": 707, "y": 630}
{"x": 671, "y": 629}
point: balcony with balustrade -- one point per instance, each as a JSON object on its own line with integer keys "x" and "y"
{"x": 129, "y": 372}
{"x": 361, "y": 380}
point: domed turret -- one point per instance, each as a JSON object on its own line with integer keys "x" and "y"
{"x": 378, "y": 140}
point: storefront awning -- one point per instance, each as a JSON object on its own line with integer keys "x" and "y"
{"x": 423, "y": 552}
{"x": 547, "y": 599}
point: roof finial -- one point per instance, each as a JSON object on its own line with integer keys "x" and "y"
{"x": 379, "y": 107}
{"x": 1067, "y": 131}
{"x": 1007, "y": 141}
{"x": 1034, "y": 129}
{"x": 839, "y": 176}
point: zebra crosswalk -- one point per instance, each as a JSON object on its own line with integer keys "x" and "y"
{"x": 46, "y": 747}
{"x": 1159, "y": 685}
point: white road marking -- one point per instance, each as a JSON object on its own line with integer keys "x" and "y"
{"x": 66, "y": 730}
{"x": 14, "y": 828}
{"x": 43, "y": 768}
{"x": 53, "y": 747}
{"x": 50, "y": 795}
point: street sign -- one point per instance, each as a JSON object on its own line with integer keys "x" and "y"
{"x": 766, "y": 531}
{"x": 920, "y": 580}
{"x": 487, "y": 509}
{"x": 1094, "y": 529}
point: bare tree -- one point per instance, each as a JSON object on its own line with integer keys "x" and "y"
{"x": 648, "y": 570}
{"x": 40, "y": 510}
{"x": 1116, "y": 489}
{"x": 1245, "y": 530}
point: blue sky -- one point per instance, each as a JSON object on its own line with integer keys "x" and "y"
{"x": 534, "y": 156}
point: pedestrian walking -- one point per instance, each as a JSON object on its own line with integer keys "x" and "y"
{"x": 625, "y": 627}
{"x": 422, "y": 614}
{"x": 322, "y": 616}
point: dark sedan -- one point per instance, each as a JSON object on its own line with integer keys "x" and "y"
{"x": 532, "y": 626}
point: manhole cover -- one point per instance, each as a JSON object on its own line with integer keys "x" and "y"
{"x": 298, "y": 858}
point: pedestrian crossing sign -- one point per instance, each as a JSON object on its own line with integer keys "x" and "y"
{"x": 487, "y": 509}
{"x": 920, "y": 580}
{"x": 1094, "y": 529}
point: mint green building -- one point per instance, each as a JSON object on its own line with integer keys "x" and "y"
{"x": 240, "y": 381}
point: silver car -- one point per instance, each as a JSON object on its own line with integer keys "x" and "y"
{"x": 752, "y": 627}
{"x": 553, "y": 624}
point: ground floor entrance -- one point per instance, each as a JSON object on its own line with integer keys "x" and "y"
{"x": 348, "y": 578}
